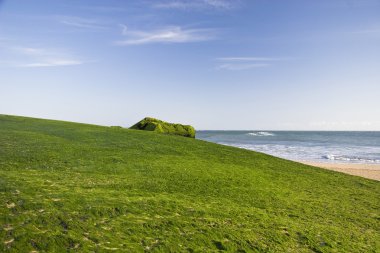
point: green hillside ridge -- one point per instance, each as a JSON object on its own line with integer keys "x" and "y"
{"x": 85, "y": 188}
{"x": 159, "y": 126}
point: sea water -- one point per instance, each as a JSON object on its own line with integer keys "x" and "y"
{"x": 317, "y": 146}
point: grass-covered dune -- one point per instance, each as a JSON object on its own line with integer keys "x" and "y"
{"x": 76, "y": 187}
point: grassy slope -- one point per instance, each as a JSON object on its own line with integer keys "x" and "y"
{"x": 75, "y": 186}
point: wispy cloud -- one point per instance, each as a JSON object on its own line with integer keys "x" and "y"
{"x": 51, "y": 63}
{"x": 373, "y": 31}
{"x": 244, "y": 63}
{"x": 247, "y": 59}
{"x": 171, "y": 34}
{"x": 31, "y": 51}
{"x": 197, "y": 4}
{"x": 241, "y": 66}
{"x": 350, "y": 3}
{"x": 100, "y": 8}
{"x": 124, "y": 29}
{"x": 31, "y": 57}
{"x": 80, "y": 22}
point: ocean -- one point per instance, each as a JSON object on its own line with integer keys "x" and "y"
{"x": 314, "y": 146}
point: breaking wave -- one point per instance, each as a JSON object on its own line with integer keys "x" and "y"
{"x": 327, "y": 147}
{"x": 261, "y": 134}
{"x": 350, "y": 158}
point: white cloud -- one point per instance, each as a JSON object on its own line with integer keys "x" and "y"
{"x": 80, "y": 22}
{"x": 32, "y": 57}
{"x": 230, "y": 66}
{"x": 100, "y": 8}
{"x": 124, "y": 29}
{"x": 244, "y": 63}
{"x": 51, "y": 63}
{"x": 196, "y": 4}
{"x": 220, "y": 3}
{"x": 31, "y": 51}
{"x": 374, "y": 31}
{"x": 245, "y": 59}
{"x": 171, "y": 34}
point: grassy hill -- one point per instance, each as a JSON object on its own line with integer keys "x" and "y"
{"x": 76, "y": 187}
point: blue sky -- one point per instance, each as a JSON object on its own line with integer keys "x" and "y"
{"x": 215, "y": 64}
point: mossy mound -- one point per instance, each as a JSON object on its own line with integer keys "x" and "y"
{"x": 159, "y": 126}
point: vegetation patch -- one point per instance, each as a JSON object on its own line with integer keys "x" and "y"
{"x": 159, "y": 126}
{"x": 68, "y": 187}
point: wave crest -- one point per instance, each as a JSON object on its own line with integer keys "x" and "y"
{"x": 261, "y": 134}
{"x": 350, "y": 158}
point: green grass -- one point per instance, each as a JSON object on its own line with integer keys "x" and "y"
{"x": 76, "y": 187}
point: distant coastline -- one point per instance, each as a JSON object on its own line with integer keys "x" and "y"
{"x": 356, "y": 153}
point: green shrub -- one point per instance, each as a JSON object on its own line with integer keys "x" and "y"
{"x": 159, "y": 126}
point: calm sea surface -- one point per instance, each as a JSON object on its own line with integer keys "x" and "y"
{"x": 340, "y": 147}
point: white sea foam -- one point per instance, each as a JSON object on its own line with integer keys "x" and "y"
{"x": 328, "y": 147}
{"x": 350, "y": 158}
{"x": 261, "y": 134}
{"x": 307, "y": 153}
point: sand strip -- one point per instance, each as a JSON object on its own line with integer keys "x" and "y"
{"x": 371, "y": 171}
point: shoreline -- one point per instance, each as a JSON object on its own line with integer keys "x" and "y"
{"x": 370, "y": 171}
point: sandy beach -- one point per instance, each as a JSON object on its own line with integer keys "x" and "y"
{"x": 371, "y": 171}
